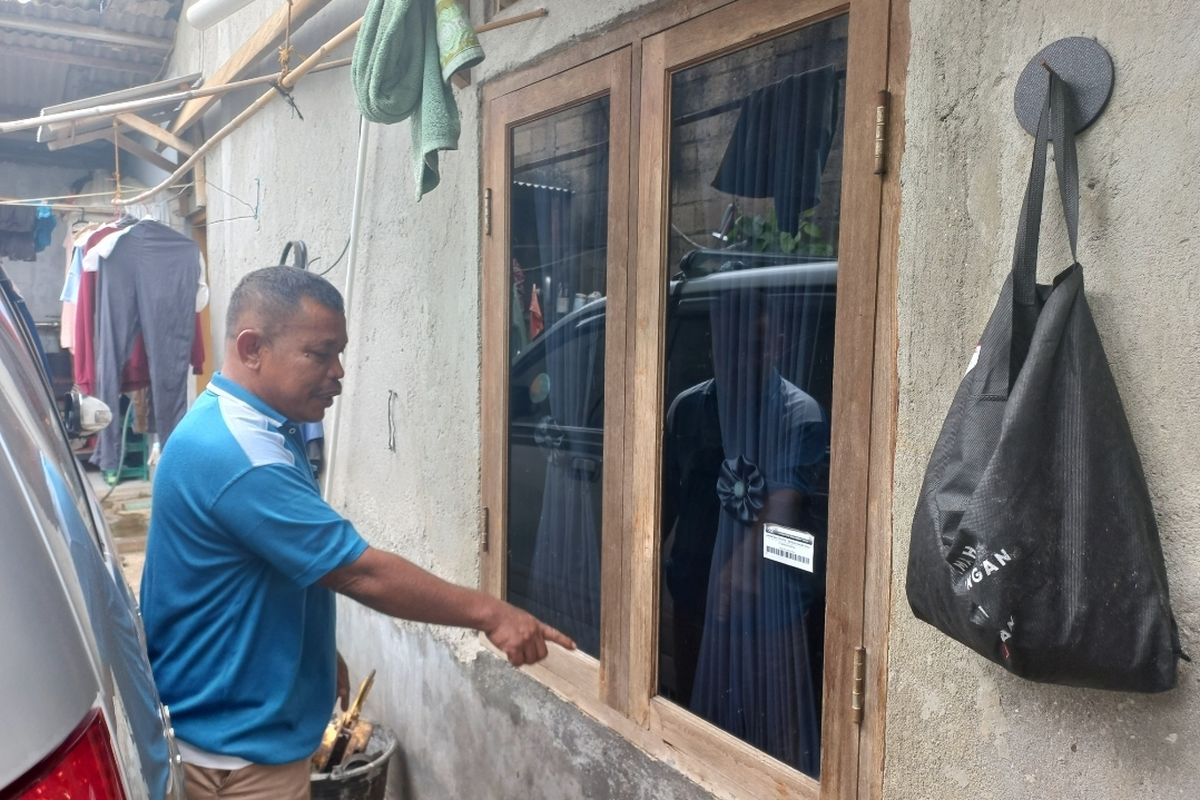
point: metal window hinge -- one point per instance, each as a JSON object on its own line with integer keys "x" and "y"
{"x": 881, "y": 131}
{"x": 860, "y": 681}
{"x": 487, "y": 212}
{"x": 485, "y": 525}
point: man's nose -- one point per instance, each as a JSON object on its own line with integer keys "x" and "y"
{"x": 338, "y": 370}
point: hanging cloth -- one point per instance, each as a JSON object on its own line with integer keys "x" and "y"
{"x": 781, "y": 142}
{"x": 70, "y": 292}
{"x": 535, "y": 315}
{"x": 758, "y": 674}
{"x": 100, "y": 244}
{"x": 16, "y": 233}
{"x": 403, "y": 59}
{"x": 84, "y": 328}
{"x": 147, "y": 285}
{"x": 43, "y": 227}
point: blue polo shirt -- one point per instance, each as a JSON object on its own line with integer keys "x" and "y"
{"x": 241, "y": 636}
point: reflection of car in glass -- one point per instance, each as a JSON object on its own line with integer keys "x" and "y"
{"x": 77, "y": 688}
{"x": 569, "y": 357}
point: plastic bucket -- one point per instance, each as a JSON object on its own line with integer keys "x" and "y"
{"x": 363, "y": 777}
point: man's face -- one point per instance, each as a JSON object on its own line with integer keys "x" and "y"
{"x": 300, "y": 368}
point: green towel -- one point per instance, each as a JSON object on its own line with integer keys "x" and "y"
{"x": 399, "y": 71}
{"x": 458, "y": 46}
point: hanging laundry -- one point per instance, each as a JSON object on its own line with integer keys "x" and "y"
{"x": 16, "y": 233}
{"x": 136, "y": 372}
{"x": 83, "y": 347}
{"x": 70, "y": 291}
{"x": 780, "y": 143}
{"x": 101, "y": 243}
{"x": 536, "y": 326}
{"x": 84, "y": 341}
{"x": 43, "y": 227}
{"x": 406, "y": 52}
{"x": 518, "y": 322}
{"x": 147, "y": 284}
{"x": 82, "y": 324}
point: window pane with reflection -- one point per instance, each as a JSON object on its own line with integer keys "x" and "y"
{"x": 558, "y": 243}
{"x": 755, "y": 189}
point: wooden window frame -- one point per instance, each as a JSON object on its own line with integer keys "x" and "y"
{"x": 620, "y": 690}
{"x": 608, "y": 75}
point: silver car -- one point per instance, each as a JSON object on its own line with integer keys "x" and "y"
{"x": 82, "y": 715}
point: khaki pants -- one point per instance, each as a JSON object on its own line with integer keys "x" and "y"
{"x": 255, "y": 782}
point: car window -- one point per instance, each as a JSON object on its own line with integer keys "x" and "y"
{"x": 34, "y": 412}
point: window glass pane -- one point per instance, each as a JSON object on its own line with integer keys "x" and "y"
{"x": 755, "y": 185}
{"x": 559, "y": 213}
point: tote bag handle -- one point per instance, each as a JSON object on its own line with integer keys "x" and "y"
{"x": 1057, "y": 121}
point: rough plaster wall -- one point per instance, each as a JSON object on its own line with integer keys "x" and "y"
{"x": 957, "y": 725}
{"x": 414, "y": 330}
{"x": 488, "y": 731}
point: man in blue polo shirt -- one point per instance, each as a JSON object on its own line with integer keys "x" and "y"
{"x": 244, "y": 556}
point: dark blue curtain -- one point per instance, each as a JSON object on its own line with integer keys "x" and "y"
{"x": 758, "y": 674}
{"x": 565, "y": 570}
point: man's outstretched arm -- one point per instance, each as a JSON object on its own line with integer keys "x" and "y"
{"x": 395, "y": 586}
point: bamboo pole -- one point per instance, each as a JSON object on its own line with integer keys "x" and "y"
{"x": 286, "y": 83}
{"x": 110, "y": 109}
{"x": 33, "y": 201}
{"x": 310, "y": 64}
{"x": 537, "y": 13}
{"x": 57, "y": 206}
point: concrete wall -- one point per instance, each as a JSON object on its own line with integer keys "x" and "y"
{"x": 958, "y": 726}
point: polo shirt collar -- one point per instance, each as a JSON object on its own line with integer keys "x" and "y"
{"x": 222, "y": 385}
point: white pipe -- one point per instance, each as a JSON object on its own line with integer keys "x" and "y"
{"x": 360, "y": 171}
{"x": 206, "y": 13}
{"x": 109, "y": 109}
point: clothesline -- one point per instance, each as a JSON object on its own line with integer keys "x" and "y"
{"x": 59, "y": 206}
{"x": 730, "y": 105}
{"x": 564, "y": 259}
{"x": 34, "y": 201}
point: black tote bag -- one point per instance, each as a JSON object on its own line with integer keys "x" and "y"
{"x": 1034, "y": 542}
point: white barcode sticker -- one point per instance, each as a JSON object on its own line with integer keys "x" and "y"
{"x": 788, "y": 546}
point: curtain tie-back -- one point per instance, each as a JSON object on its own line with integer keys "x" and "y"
{"x": 741, "y": 488}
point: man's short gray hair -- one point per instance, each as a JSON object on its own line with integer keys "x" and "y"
{"x": 274, "y": 293}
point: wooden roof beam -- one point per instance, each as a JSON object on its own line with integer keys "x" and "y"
{"x": 145, "y": 153}
{"x": 160, "y": 135}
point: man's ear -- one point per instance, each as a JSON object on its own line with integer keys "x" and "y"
{"x": 250, "y": 344}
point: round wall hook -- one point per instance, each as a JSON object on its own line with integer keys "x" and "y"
{"x": 1083, "y": 64}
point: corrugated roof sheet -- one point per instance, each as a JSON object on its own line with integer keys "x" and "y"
{"x": 117, "y": 17}
{"x": 36, "y": 68}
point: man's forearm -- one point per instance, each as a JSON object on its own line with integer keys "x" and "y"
{"x": 395, "y": 586}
